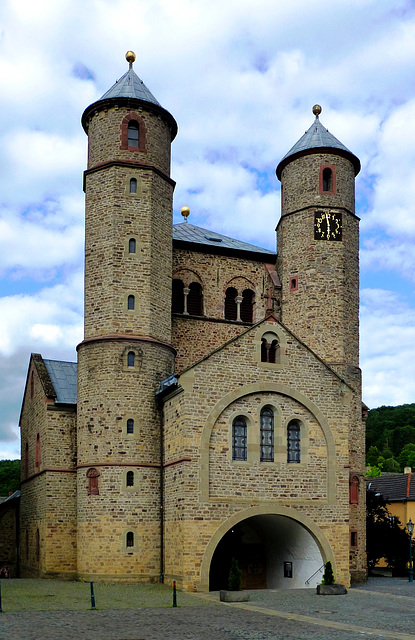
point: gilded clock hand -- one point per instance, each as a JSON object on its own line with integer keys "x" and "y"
{"x": 328, "y": 225}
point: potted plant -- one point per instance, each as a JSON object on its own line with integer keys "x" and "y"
{"x": 234, "y": 592}
{"x": 328, "y": 587}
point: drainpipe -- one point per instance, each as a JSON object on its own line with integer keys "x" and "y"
{"x": 161, "y": 493}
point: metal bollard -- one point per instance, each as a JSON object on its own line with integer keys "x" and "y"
{"x": 174, "y": 594}
{"x": 92, "y": 595}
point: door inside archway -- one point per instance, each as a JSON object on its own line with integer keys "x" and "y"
{"x": 273, "y": 551}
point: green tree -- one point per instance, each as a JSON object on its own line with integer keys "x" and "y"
{"x": 372, "y": 456}
{"x": 373, "y": 472}
{"x": 406, "y": 457}
{"x": 9, "y": 476}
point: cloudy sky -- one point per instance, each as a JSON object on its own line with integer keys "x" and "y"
{"x": 240, "y": 77}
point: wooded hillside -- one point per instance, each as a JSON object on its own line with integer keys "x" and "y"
{"x": 390, "y": 437}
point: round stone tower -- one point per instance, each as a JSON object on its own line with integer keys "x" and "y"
{"x": 126, "y": 351}
{"x": 318, "y": 246}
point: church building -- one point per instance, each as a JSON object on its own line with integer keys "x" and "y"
{"x": 215, "y": 409}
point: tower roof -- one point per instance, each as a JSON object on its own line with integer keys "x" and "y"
{"x": 317, "y": 138}
{"x": 130, "y": 86}
{"x": 129, "y": 90}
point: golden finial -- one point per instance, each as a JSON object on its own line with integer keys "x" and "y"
{"x": 317, "y": 110}
{"x": 130, "y": 56}
{"x": 185, "y": 211}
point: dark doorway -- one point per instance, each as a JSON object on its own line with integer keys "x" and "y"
{"x": 242, "y": 543}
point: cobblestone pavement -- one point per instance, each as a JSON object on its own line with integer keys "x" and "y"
{"x": 382, "y": 608}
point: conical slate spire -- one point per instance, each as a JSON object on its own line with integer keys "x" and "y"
{"x": 130, "y": 86}
{"x": 126, "y": 91}
{"x": 317, "y": 137}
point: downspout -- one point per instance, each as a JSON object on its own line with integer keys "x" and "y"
{"x": 161, "y": 493}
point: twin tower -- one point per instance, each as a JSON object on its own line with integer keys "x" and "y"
{"x": 183, "y": 418}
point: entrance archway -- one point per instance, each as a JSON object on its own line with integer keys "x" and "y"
{"x": 273, "y": 551}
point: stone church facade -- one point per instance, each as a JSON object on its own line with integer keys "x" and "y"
{"x": 215, "y": 408}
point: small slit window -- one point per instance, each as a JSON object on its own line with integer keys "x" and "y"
{"x": 93, "y": 475}
{"x": 327, "y": 179}
{"x": 131, "y": 303}
{"x": 130, "y": 359}
{"x": 133, "y": 134}
{"x": 293, "y": 442}
{"x": 239, "y": 439}
{"x": 37, "y": 451}
{"x": 130, "y": 425}
{"x": 133, "y": 185}
{"x": 130, "y": 539}
{"x": 231, "y": 308}
{"x": 354, "y": 490}
{"x": 132, "y": 245}
{"x": 130, "y": 478}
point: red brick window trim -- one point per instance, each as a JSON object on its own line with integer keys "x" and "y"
{"x": 354, "y": 490}
{"x": 294, "y": 283}
{"x": 327, "y": 179}
{"x": 142, "y": 133}
{"x": 353, "y": 539}
{"x": 93, "y": 475}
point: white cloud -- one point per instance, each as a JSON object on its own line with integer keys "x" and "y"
{"x": 240, "y": 78}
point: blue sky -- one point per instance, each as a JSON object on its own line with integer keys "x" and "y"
{"x": 241, "y": 79}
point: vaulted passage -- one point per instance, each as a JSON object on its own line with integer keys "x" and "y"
{"x": 273, "y": 551}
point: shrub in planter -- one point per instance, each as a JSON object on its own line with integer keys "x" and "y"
{"x": 328, "y": 576}
{"x": 235, "y": 576}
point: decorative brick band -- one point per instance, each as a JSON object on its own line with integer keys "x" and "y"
{"x": 174, "y": 462}
{"x": 128, "y": 164}
{"x": 122, "y": 337}
{"x": 143, "y": 465}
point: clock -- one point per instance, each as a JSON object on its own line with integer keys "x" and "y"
{"x": 327, "y": 225}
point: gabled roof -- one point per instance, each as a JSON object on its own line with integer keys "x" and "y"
{"x": 317, "y": 137}
{"x": 63, "y": 376}
{"x": 215, "y": 242}
{"x": 394, "y": 487}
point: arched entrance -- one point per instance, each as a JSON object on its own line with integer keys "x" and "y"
{"x": 273, "y": 551}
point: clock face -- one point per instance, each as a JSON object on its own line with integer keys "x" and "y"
{"x": 327, "y": 225}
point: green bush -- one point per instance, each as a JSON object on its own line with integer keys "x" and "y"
{"x": 235, "y": 576}
{"x": 328, "y": 576}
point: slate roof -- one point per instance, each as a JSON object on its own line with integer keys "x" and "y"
{"x": 63, "y": 376}
{"x": 186, "y": 232}
{"x": 394, "y": 487}
{"x": 130, "y": 86}
{"x": 128, "y": 89}
{"x": 317, "y": 137}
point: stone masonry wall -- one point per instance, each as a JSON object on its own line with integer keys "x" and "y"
{"x": 205, "y": 488}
